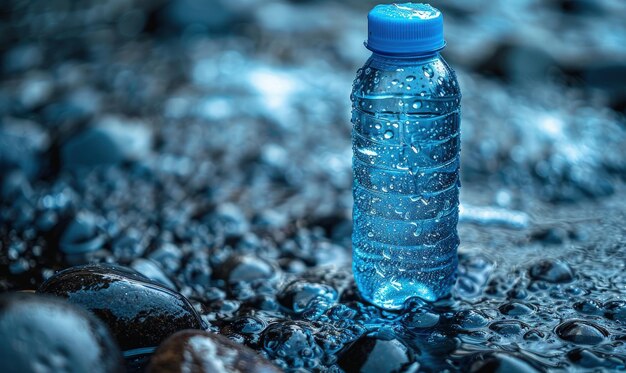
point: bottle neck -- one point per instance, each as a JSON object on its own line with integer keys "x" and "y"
{"x": 405, "y": 58}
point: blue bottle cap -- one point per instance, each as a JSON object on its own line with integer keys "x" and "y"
{"x": 405, "y": 29}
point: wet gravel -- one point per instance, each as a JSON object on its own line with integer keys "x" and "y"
{"x": 200, "y": 161}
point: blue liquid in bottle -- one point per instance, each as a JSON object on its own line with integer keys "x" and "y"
{"x": 406, "y": 148}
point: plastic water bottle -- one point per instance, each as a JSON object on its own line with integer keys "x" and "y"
{"x": 406, "y": 147}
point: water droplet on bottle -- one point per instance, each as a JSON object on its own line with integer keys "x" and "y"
{"x": 410, "y": 78}
{"x": 394, "y": 82}
{"x": 388, "y": 134}
{"x": 428, "y": 72}
{"x": 417, "y": 104}
{"x": 417, "y": 229}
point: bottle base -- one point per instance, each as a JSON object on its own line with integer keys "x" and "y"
{"x": 392, "y": 294}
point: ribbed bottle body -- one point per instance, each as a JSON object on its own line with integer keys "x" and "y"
{"x": 406, "y": 149}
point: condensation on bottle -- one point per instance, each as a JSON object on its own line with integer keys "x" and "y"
{"x": 406, "y": 149}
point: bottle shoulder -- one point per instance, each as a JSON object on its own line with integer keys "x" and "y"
{"x": 429, "y": 76}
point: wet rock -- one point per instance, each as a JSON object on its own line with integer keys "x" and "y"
{"x": 75, "y": 108}
{"x": 194, "y": 351}
{"x": 229, "y": 220}
{"x": 140, "y": 313}
{"x": 137, "y": 360}
{"x": 168, "y": 256}
{"x": 22, "y": 57}
{"x": 21, "y": 145}
{"x": 15, "y": 186}
{"x": 45, "y": 334}
{"x": 374, "y": 355}
{"x": 420, "y": 317}
{"x": 153, "y": 271}
{"x": 291, "y": 344}
{"x": 35, "y": 90}
{"x": 216, "y": 17}
{"x": 580, "y": 7}
{"x": 197, "y": 270}
{"x": 553, "y": 271}
{"x": 519, "y": 63}
{"x": 248, "y": 327}
{"x": 550, "y": 235}
{"x": 534, "y": 335}
{"x": 501, "y": 362}
{"x": 111, "y": 140}
{"x": 589, "y": 307}
{"x": 128, "y": 245}
{"x": 581, "y": 332}
{"x": 516, "y": 309}
{"x": 244, "y": 268}
{"x": 300, "y": 295}
{"x": 471, "y": 319}
{"x": 615, "y": 310}
{"x": 82, "y": 235}
{"x": 509, "y": 328}
{"x": 591, "y": 359}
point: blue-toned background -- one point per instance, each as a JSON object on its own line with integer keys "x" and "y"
{"x": 178, "y": 137}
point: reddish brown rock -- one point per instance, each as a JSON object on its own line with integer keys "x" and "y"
{"x": 195, "y": 351}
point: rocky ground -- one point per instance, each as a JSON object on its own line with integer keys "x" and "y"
{"x": 204, "y": 147}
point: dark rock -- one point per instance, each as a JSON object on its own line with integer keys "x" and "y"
{"x": 471, "y": 319}
{"x": 550, "y": 235}
{"x": 421, "y": 318}
{"x": 615, "y": 310}
{"x": 370, "y": 354}
{"x": 516, "y": 309}
{"x": 247, "y": 326}
{"x": 15, "y": 186}
{"x": 244, "y": 268}
{"x": 112, "y": 140}
{"x": 300, "y": 295}
{"x": 517, "y": 62}
{"x": 534, "y": 335}
{"x": 128, "y": 245}
{"x": 21, "y": 144}
{"x": 44, "y": 334}
{"x": 589, "y": 307}
{"x": 137, "y": 360}
{"x": 153, "y": 271}
{"x": 195, "y": 351}
{"x": 293, "y": 343}
{"x": 22, "y": 57}
{"x": 592, "y": 359}
{"x": 197, "y": 270}
{"x": 581, "y": 332}
{"x": 501, "y": 362}
{"x": 553, "y": 271}
{"x": 229, "y": 220}
{"x": 168, "y": 256}
{"x": 35, "y": 90}
{"x": 580, "y": 7}
{"x": 140, "y": 313}
{"x": 82, "y": 235}
{"x": 509, "y": 328}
